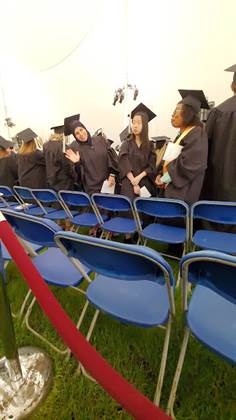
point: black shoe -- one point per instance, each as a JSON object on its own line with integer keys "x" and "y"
{"x": 129, "y": 241}
{"x": 98, "y": 233}
{"x": 176, "y": 250}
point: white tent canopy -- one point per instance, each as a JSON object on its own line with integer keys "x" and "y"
{"x": 59, "y": 58}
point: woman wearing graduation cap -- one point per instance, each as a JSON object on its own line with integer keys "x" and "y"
{"x": 8, "y": 164}
{"x": 137, "y": 159}
{"x": 95, "y": 160}
{"x": 61, "y": 174}
{"x": 182, "y": 177}
{"x": 31, "y": 162}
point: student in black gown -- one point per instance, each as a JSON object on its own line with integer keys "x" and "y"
{"x": 8, "y": 164}
{"x": 31, "y": 162}
{"x": 182, "y": 178}
{"x": 220, "y": 179}
{"x": 61, "y": 174}
{"x": 137, "y": 159}
{"x": 94, "y": 158}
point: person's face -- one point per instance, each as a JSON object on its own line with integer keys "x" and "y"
{"x": 177, "y": 118}
{"x": 137, "y": 125}
{"x": 81, "y": 134}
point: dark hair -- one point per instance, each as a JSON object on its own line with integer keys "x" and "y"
{"x": 190, "y": 117}
{"x": 144, "y": 133}
{"x": 233, "y": 87}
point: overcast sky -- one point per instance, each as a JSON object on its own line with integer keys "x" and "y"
{"x": 158, "y": 45}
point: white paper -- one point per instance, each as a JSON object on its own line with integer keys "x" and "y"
{"x": 106, "y": 189}
{"x": 172, "y": 151}
{"x": 23, "y": 206}
{"x": 144, "y": 192}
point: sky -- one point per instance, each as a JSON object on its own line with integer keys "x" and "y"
{"x": 59, "y": 58}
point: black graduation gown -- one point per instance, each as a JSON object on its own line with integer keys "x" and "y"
{"x": 97, "y": 162}
{"x": 136, "y": 160}
{"x": 32, "y": 170}
{"x": 220, "y": 179}
{"x": 187, "y": 171}
{"x": 61, "y": 174}
{"x": 9, "y": 170}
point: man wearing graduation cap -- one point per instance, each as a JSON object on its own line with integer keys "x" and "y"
{"x": 220, "y": 180}
{"x": 183, "y": 172}
{"x": 8, "y": 164}
{"x": 137, "y": 159}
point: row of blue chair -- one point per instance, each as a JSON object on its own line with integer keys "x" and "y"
{"x": 135, "y": 285}
{"x": 83, "y": 210}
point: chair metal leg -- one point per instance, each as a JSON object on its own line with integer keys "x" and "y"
{"x": 26, "y": 319}
{"x": 90, "y": 331}
{"x": 78, "y": 325}
{"x": 179, "y": 276}
{"x": 66, "y": 351}
{"x": 170, "y": 405}
{"x": 157, "y": 396}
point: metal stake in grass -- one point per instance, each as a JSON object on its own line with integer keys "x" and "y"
{"x": 25, "y": 375}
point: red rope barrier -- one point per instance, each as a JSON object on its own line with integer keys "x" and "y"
{"x": 123, "y": 392}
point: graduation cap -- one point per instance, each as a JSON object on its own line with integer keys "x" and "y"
{"x": 5, "y": 144}
{"x": 124, "y": 135}
{"x": 26, "y": 135}
{"x": 194, "y": 98}
{"x": 159, "y": 141}
{"x": 144, "y": 109}
{"x": 68, "y": 123}
{"x": 110, "y": 142}
{"x": 232, "y": 69}
{"x": 58, "y": 129}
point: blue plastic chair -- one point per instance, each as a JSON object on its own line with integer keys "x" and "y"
{"x": 211, "y": 312}
{"x": 53, "y": 265}
{"x": 133, "y": 284}
{"x": 115, "y": 203}
{"x": 7, "y": 194}
{"x": 87, "y": 215}
{"x": 219, "y": 212}
{"x": 49, "y": 197}
{"x": 34, "y": 209}
{"x": 160, "y": 232}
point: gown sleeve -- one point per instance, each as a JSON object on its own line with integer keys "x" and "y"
{"x": 191, "y": 160}
{"x": 123, "y": 161}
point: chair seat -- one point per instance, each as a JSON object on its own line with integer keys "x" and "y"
{"x": 7, "y": 257}
{"x": 58, "y": 214}
{"x": 120, "y": 225}
{"x": 56, "y": 268}
{"x": 34, "y": 211}
{"x": 11, "y": 204}
{"x": 85, "y": 219}
{"x": 217, "y": 241}
{"x": 164, "y": 233}
{"x": 211, "y": 319}
{"x": 143, "y": 303}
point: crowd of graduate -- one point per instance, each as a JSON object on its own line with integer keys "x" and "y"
{"x": 203, "y": 168}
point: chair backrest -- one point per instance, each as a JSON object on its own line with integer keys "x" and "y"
{"x": 162, "y": 208}
{"x": 112, "y": 202}
{"x": 7, "y": 192}
{"x": 117, "y": 260}
{"x": 215, "y": 211}
{"x": 23, "y": 193}
{"x": 45, "y": 195}
{"x": 31, "y": 228}
{"x": 211, "y": 269}
{"x": 77, "y": 199}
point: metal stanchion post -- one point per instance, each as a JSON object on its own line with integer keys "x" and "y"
{"x": 25, "y": 374}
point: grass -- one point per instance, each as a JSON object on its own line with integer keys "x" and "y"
{"x": 207, "y": 385}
